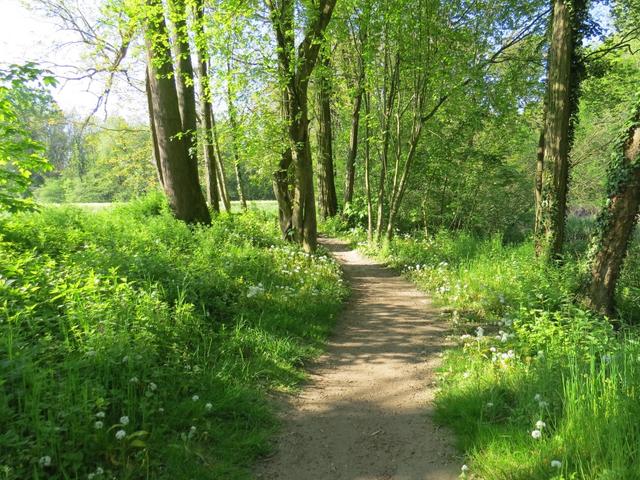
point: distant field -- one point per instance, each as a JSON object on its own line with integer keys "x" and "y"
{"x": 270, "y": 206}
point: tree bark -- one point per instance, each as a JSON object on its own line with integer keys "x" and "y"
{"x": 563, "y": 78}
{"x": 152, "y": 125}
{"x": 327, "y": 197}
{"x": 213, "y": 197}
{"x": 367, "y": 167}
{"x": 233, "y": 123}
{"x": 350, "y": 168}
{"x": 616, "y": 222}
{"x": 179, "y": 172}
{"x": 219, "y": 161}
{"x": 295, "y": 67}
{"x": 184, "y": 78}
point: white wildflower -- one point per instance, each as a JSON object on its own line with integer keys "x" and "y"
{"x": 134, "y": 380}
{"x": 124, "y": 420}
{"x": 45, "y": 461}
{"x": 537, "y": 397}
{"x": 153, "y": 386}
{"x": 489, "y": 404}
{"x": 464, "y": 469}
{"x": 120, "y": 434}
{"x": 556, "y": 464}
{"x": 479, "y": 332}
{"x": 98, "y": 425}
{"x": 195, "y": 398}
{"x": 208, "y": 406}
{"x": 543, "y": 404}
{"x": 100, "y": 415}
{"x": 99, "y": 471}
{"x": 536, "y": 434}
{"x": 540, "y": 424}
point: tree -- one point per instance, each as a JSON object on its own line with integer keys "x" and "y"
{"x": 179, "y": 170}
{"x": 327, "y": 197}
{"x": 295, "y": 66}
{"x": 20, "y": 155}
{"x": 564, "y": 75}
{"x": 617, "y": 220}
{"x": 206, "y": 110}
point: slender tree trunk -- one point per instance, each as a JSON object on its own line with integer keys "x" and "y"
{"x": 538, "y": 187}
{"x": 304, "y": 205}
{"x": 350, "y": 168}
{"x": 617, "y": 221}
{"x": 213, "y": 197}
{"x": 152, "y": 124}
{"x": 219, "y": 164}
{"x": 367, "y": 167}
{"x": 179, "y": 172}
{"x": 233, "y": 123}
{"x": 327, "y": 197}
{"x": 389, "y": 98}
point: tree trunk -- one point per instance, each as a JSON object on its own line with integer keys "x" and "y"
{"x": 617, "y": 221}
{"x": 219, "y": 161}
{"x": 367, "y": 166}
{"x": 350, "y": 168}
{"x": 179, "y": 172}
{"x": 213, "y": 198}
{"x": 295, "y": 66}
{"x": 152, "y": 125}
{"x": 304, "y": 205}
{"x": 233, "y": 123}
{"x": 327, "y": 197}
{"x": 563, "y": 77}
{"x": 538, "y": 187}
{"x": 184, "y": 78}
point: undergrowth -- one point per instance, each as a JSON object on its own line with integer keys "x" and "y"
{"x": 133, "y": 346}
{"x": 538, "y": 387}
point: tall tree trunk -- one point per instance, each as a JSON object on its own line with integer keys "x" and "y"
{"x": 350, "y": 168}
{"x": 219, "y": 161}
{"x": 616, "y": 222}
{"x": 304, "y": 205}
{"x": 563, "y": 77}
{"x": 213, "y": 197}
{"x": 367, "y": 167}
{"x": 295, "y": 66}
{"x": 538, "y": 187}
{"x": 389, "y": 99}
{"x": 152, "y": 125}
{"x": 233, "y": 123}
{"x": 327, "y": 197}
{"x": 184, "y": 78}
{"x": 179, "y": 172}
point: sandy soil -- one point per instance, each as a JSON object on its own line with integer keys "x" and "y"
{"x": 365, "y": 413}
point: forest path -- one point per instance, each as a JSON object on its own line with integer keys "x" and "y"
{"x": 364, "y": 413}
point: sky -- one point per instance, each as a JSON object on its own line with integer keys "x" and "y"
{"x": 29, "y": 36}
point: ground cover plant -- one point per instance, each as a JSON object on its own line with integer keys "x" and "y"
{"x": 135, "y": 346}
{"x": 537, "y": 386}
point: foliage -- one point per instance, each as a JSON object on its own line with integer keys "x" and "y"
{"x": 20, "y": 154}
{"x": 126, "y": 320}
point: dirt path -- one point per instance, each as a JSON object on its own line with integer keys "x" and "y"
{"x": 364, "y": 414}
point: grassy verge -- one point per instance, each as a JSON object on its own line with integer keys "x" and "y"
{"x": 132, "y": 346}
{"x": 537, "y": 388}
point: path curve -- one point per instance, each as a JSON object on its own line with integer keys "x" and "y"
{"x": 364, "y": 413}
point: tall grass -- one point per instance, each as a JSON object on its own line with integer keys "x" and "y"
{"x": 133, "y": 346}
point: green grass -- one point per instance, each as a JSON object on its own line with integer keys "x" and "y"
{"x": 126, "y": 312}
{"x": 540, "y": 357}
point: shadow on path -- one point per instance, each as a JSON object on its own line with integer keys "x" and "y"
{"x": 365, "y": 413}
